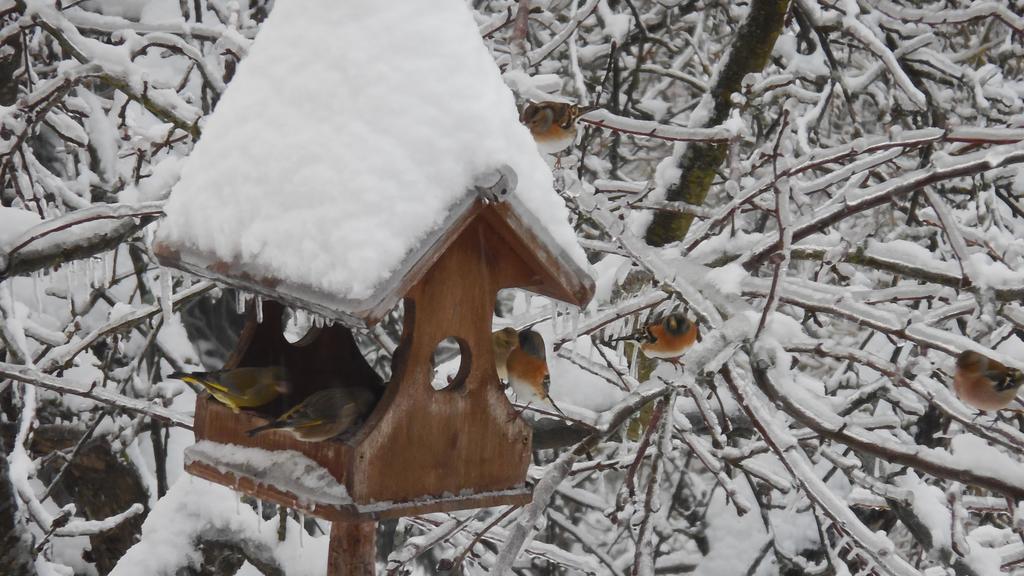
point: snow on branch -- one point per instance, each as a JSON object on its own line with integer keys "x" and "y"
{"x": 605, "y": 119}
{"x": 100, "y": 394}
{"x": 62, "y": 356}
{"x": 75, "y": 235}
{"x": 957, "y": 466}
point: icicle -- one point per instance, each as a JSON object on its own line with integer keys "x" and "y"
{"x": 240, "y": 302}
{"x": 302, "y": 526}
{"x": 166, "y": 292}
{"x": 259, "y": 516}
{"x": 10, "y": 294}
{"x": 88, "y": 273}
{"x": 70, "y": 295}
{"x": 259, "y": 309}
{"x": 38, "y": 290}
{"x": 634, "y": 368}
{"x": 107, "y": 265}
{"x": 101, "y": 272}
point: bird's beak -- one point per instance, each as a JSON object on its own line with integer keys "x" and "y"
{"x": 588, "y": 109}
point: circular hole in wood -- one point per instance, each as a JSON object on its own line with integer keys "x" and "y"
{"x": 299, "y": 329}
{"x": 449, "y": 364}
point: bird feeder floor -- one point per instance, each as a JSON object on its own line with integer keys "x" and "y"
{"x": 243, "y": 478}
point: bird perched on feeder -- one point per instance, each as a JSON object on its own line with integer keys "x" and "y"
{"x": 984, "y": 383}
{"x": 239, "y": 388}
{"x": 324, "y": 414}
{"x": 528, "y": 369}
{"x": 667, "y": 338}
{"x": 504, "y": 341}
{"x": 553, "y": 124}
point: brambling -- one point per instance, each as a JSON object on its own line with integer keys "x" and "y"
{"x": 504, "y": 341}
{"x": 528, "y": 369}
{"x": 241, "y": 387}
{"x": 553, "y": 124}
{"x": 667, "y": 338}
{"x": 984, "y": 383}
{"x": 324, "y": 414}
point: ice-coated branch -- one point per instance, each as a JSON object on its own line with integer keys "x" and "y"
{"x": 869, "y": 39}
{"x": 585, "y": 542}
{"x": 873, "y": 545}
{"x": 76, "y": 235}
{"x": 875, "y": 196}
{"x": 712, "y": 461}
{"x": 91, "y": 527}
{"x": 119, "y": 73}
{"x": 975, "y": 11}
{"x": 929, "y": 390}
{"x": 605, "y": 119}
{"x": 555, "y": 473}
{"x": 643, "y": 558}
{"x": 877, "y": 148}
{"x": 932, "y": 461}
{"x": 617, "y": 312}
{"x": 414, "y": 547}
{"x": 102, "y": 395}
{"x": 62, "y": 356}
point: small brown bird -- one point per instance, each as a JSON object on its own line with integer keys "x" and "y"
{"x": 984, "y": 383}
{"x": 239, "y": 388}
{"x": 667, "y": 338}
{"x": 504, "y": 341}
{"x": 324, "y": 414}
{"x": 553, "y": 124}
{"x": 528, "y": 370}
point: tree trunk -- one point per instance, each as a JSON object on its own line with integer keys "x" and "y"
{"x": 753, "y": 44}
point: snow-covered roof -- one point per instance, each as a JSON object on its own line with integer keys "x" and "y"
{"x": 348, "y": 141}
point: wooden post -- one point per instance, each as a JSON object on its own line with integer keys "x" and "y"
{"x": 353, "y": 549}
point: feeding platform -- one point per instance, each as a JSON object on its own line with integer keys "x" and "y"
{"x": 365, "y": 157}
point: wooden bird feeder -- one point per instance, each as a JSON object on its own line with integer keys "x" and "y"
{"x": 288, "y": 230}
{"x": 421, "y": 450}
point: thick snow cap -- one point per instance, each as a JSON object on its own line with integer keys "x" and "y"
{"x": 349, "y": 139}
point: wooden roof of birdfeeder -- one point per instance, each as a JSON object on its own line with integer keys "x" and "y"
{"x": 349, "y": 152}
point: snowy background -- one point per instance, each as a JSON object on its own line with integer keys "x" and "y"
{"x": 831, "y": 189}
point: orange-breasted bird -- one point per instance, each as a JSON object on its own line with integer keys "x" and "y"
{"x": 984, "y": 383}
{"x": 553, "y": 124}
{"x": 528, "y": 370}
{"x": 667, "y": 338}
{"x": 248, "y": 387}
{"x": 324, "y": 414}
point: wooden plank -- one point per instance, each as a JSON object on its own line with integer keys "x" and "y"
{"x": 425, "y": 442}
{"x": 554, "y": 273}
{"x": 270, "y": 493}
{"x": 353, "y": 549}
{"x": 355, "y": 512}
{"x": 216, "y": 423}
